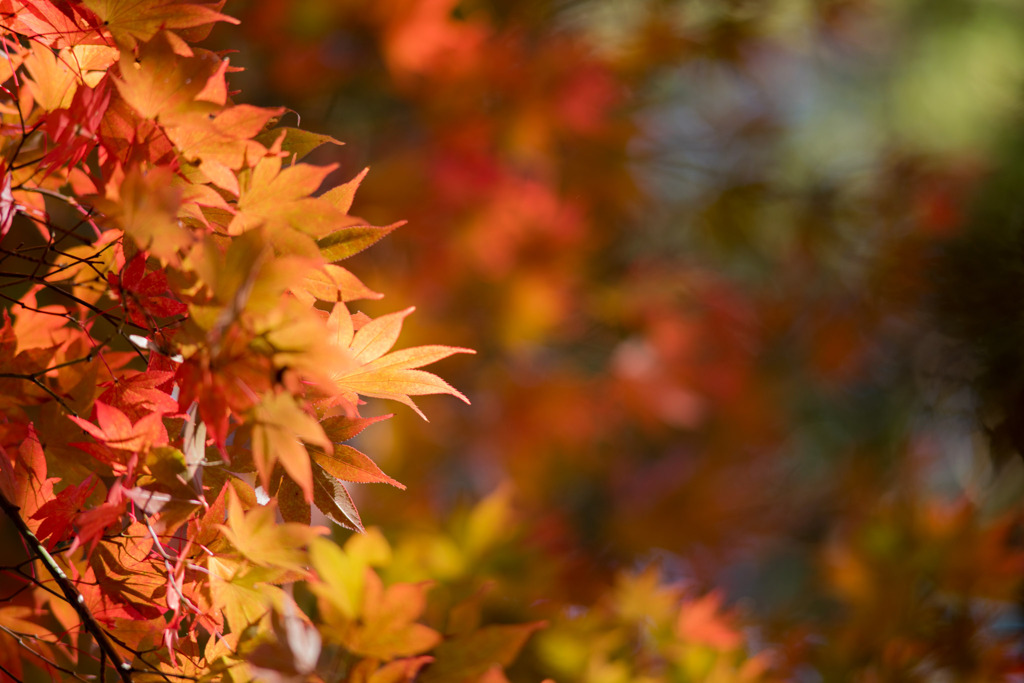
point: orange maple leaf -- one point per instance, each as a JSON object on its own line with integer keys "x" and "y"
{"x": 132, "y": 20}
{"x": 377, "y": 373}
{"x": 278, "y": 425}
{"x": 701, "y": 621}
{"x": 388, "y": 627}
{"x": 118, "y": 439}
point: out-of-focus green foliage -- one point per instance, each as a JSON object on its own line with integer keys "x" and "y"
{"x": 743, "y": 277}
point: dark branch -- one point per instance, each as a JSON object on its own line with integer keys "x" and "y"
{"x": 71, "y": 594}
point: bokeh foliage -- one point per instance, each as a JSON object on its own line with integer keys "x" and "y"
{"x": 743, "y": 277}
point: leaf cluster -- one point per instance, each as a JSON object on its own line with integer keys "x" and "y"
{"x": 181, "y": 368}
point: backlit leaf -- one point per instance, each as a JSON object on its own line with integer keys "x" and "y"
{"x": 389, "y": 375}
{"x": 348, "y": 464}
{"x": 348, "y": 241}
{"x": 333, "y": 284}
{"x": 260, "y": 539}
{"x": 279, "y": 428}
{"x": 140, "y": 20}
{"x": 387, "y": 627}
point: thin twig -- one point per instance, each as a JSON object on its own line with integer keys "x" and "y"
{"x": 49, "y": 662}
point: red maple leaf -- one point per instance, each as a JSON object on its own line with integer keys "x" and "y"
{"x": 92, "y": 523}
{"x": 74, "y": 131}
{"x": 144, "y": 297}
{"x": 58, "y": 514}
{"x": 120, "y": 441}
{"x": 140, "y": 394}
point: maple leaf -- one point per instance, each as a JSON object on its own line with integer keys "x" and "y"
{"x": 204, "y": 531}
{"x": 128, "y": 573}
{"x": 380, "y": 374}
{"x": 644, "y": 597}
{"x": 333, "y": 499}
{"x": 189, "y": 207}
{"x": 291, "y": 501}
{"x": 701, "y": 621}
{"x": 470, "y": 656}
{"x": 139, "y": 20}
{"x": 23, "y": 474}
{"x": 160, "y": 82}
{"x": 51, "y": 82}
{"x": 278, "y": 424}
{"x": 242, "y": 593}
{"x": 348, "y": 464}
{"x": 222, "y": 144}
{"x": 387, "y": 626}
{"x": 146, "y": 207}
{"x": 402, "y": 670}
{"x": 144, "y": 295}
{"x": 340, "y": 428}
{"x": 280, "y": 200}
{"x": 58, "y": 514}
{"x": 55, "y": 25}
{"x": 332, "y": 283}
{"x": 293, "y": 143}
{"x": 352, "y": 239}
{"x": 257, "y": 536}
{"x": 139, "y": 394}
{"x": 74, "y": 131}
{"x": 92, "y": 523}
{"x": 23, "y": 620}
{"x": 118, "y": 439}
{"x": 233, "y": 388}
{"x": 282, "y": 196}
{"x": 343, "y": 195}
{"x": 341, "y": 579}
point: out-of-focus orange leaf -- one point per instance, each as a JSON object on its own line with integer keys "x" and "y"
{"x": 387, "y": 627}
{"x": 467, "y": 657}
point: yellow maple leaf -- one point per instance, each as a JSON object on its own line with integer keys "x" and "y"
{"x": 376, "y": 372}
{"x": 258, "y": 537}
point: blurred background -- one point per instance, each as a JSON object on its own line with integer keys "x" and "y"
{"x": 745, "y": 282}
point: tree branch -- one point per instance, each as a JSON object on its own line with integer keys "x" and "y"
{"x": 71, "y": 594}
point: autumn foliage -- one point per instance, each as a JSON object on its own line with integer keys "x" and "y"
{"x": 718, "y": 403}
{"x": 180, "y": 348}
